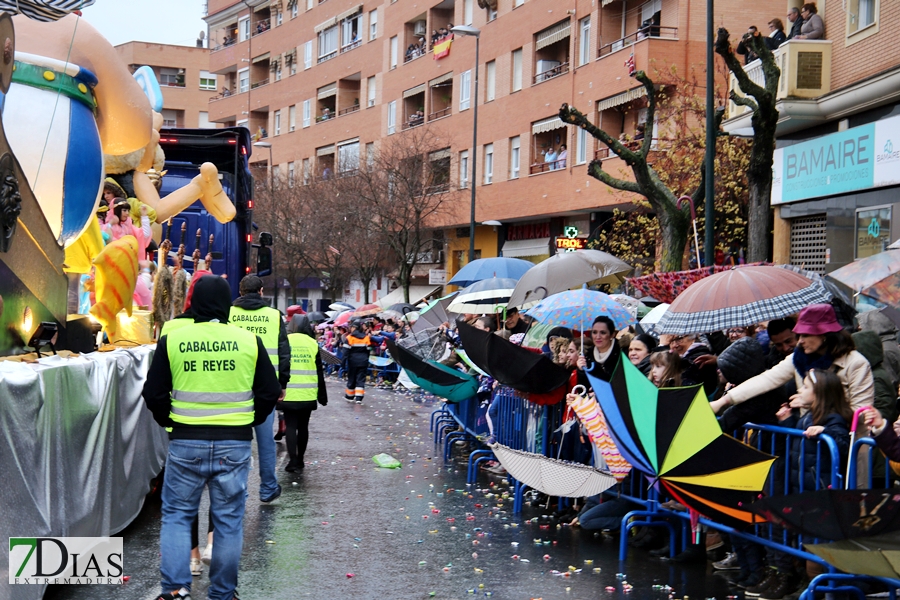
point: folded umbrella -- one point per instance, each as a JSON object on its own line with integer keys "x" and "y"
{"x": 672, "y": 435}
{"x": 488, "y": 296}
{"x": 551, "y": 476}
{"x": 486, "y": 268}
{"x": 739, "y": 298}
{"x": 519, "y": 368}
{"x": 565, "y": 271}
{"x": 434, "y": 377}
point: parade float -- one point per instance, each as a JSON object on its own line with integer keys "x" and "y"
{"x": 79, "y": 448}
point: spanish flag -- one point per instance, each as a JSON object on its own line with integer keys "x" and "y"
{"x": 442, "y": 48}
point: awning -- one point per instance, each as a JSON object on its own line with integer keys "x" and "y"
{"x": 605, "y": 2}
{"x": 441, "y": 79}
{"x": 349, "y": 13}
{"x": 325, "y": 150}
{"x": 545, "y": 125}
{"x": 534, "y": 247}
{"x": 623, "y": 98}
{"x": 416, "y": 90}
{"x": 416, "y": 294}
{"x": 345, "y": 142}
{"x": 261, "y": 58}
{"x": 325, "y": 25}
{"x": 327, "y": 91}
{"x": 551, "y": 35}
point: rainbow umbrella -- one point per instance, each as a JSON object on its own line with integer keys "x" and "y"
{"x": 672, "y": 435}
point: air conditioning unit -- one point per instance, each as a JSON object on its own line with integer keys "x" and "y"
{"x": 420, "y": 28}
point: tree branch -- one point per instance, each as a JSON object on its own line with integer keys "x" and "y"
{"x": 572, "y": 116}
{"x": 723, "y": 49}
{"x": 595, "y": 169}
{"x": 743, "y": 101}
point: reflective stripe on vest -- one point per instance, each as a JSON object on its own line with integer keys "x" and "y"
{"x": 304, "y": 383}
{"x": 264, "y": 322}
{"x": 213, "y": 366}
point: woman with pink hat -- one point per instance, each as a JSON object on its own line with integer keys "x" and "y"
{"x": 823, "y": 344}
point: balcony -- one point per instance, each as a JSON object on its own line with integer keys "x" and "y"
{"x": 444, "y": 112}
{"x": 805, "y": 73}
{"x": 261, "y": 26}
{"x": 552, "y": 72}
{"x": 653, "y": 32}
{"x": 605, "y": 153}
{"x": 547, "y": 167}
{"x": 348, "y": 110}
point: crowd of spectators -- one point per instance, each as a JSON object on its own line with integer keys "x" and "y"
{"x": 806, "y": 24}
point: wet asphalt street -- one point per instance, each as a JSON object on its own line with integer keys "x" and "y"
{"x": 346, "y": 529}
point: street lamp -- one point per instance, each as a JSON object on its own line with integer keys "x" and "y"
{"x": 476, "y": 33}
{"x": 271, "y": 171}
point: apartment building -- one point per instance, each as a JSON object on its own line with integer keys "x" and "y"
{"x": 184, "y": 77}
{"x": 837, "y": 164}
{"x": 327, "y": 80}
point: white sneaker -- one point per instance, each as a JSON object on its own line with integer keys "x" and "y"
{"x": 728, "y": 563}
{"x": 196, "y": 567}
{"x": 206, "y": 556}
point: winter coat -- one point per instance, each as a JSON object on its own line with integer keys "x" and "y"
{"x": 869, "y": 345}
{"x": 255, "y": 302}
{"x": 889, "y": 441}
{"x": 796, "y": 26}
{"x": 876, "y": 321}
{"x": 604, "y": 370}
{"x": 776, "y": 39}
{"x": 813, "y": 28}
{"x": 852, "y": 369}
{"x": 644, "y": 366}
{"x": 695, "y": 374}
{"x": 740, "y": 361}
{"x": 836, "y": 427}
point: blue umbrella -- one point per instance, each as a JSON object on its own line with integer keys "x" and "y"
{"x": 577, "y": 309}
{"x": 485, "y": 268}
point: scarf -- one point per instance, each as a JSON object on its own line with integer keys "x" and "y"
{"x": 804, "y": 362}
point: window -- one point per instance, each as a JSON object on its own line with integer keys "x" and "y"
{"x": 348, "y": 156}
{"x": 306, "y": 113}
{"x": 170, "y": 117}
{"x": 490, "y": 74}
{"x": 350, "y": 36}
{"x": 244, "y": 29}
{"x": 514, "y": 150}
{"x": 295, "y": 8}
{"x": 392, "y": 117}
{"x": 582, "y": 150}
{"x": 307, "y": 54}
{"x": 518, "y": 3}
{"x": 279, "y": 18}
{"x": 292, "y": 118}
{"x": 243, "y": 80}
{"x": 373, "y": 24}
{"x": 207, "y": 81}
{"x": 172, "y": 77}
{"x": 517, "y": 70}
{"x": 290, "y": 174}
{"x": 370, "y": 155}
{"x": 465, "y": 84}
{"x": 648, "y": 9}
{"x": 203, "y": 121}
{"x": 468, "y": 10}
{"x": 307, "y": 172}
{"x": 492, "y": 13}
{"x": 328, "y": 43}
{"x": 394, "y": 52}
{"x": 488, "y": 163}
{"x": 309, "y": 4}
{"x": 370, "y": 91}
{"x": 584, "y": 42}
{"x": 860, "y": 14}
{"x": 464, "y": 169}
{"x": 278, "y": 73}
{"x": 276, "y": 122}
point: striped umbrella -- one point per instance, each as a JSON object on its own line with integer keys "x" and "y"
{"x": 588, "y": 411}
{"x": 740, "y": 298}
{"x": 488, "y": 296}
{"x": 43, "y": 10}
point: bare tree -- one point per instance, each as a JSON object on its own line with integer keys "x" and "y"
{"x": 761, "y": 100}
{"x": 674, "y": 220}
{"x": 403, "y": 192}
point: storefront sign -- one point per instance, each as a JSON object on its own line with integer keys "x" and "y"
{"x": 873, "y": 231}
{"x": 437, "y": 277}
{"x": 856, "y": 159}
{"x": 570, "y": 244}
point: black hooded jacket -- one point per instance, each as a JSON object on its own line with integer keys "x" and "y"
{"x": 739, "y": 362}
{"x": 254, "y": 301}
{"x": 210, "y": 303}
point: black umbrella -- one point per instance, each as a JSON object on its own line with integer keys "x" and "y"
{"x": 317, "y": 316}
{"x": 403, "y": 307}
{"x": 511, "y": 365}
{"x": 835, "y": 514}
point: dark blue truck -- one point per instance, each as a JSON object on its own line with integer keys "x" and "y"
{"x": 229, "y": 149}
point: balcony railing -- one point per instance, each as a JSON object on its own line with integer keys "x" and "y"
{"x": 440, "y": 114}
{"x": 551, "y": 73}
{"x": 324, "y": 117}
{"x": 546, "y": 167}
{"x": 411, "y": 123}
{"x": 351, "y": 45}
{"x": 634, "y": 145}
{"x": 226, "y": 43}
{"x": 259, "y": 84}
{"x": 414, "y": 55}
{"x": 348, "y": 110}
{"x": 655, "y": 31}
{"x": 261, "y": 26}
{"x": 328, "y": 56}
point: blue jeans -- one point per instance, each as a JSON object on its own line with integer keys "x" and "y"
{"x": 265, "y": 446}
{"x": 606, "y": 515}
{"x": 192, "y": 464}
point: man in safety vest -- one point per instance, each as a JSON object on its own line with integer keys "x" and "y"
{"x": 211, "y": 383}
{"x": 304, "y": 390}
{"x": 251, "y": 312}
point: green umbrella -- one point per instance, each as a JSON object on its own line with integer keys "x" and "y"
{"x": 878, "y": 556}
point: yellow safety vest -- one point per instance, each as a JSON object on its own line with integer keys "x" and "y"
{"x": 304, "y": 383}
{"x": 173, "y": 324}
{"x": 213, "y": 366}
{"x": 264, "y": 322}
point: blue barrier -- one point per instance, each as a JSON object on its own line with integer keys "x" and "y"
{"x": 843, "y": 582}
{"x": 870, "y": 462}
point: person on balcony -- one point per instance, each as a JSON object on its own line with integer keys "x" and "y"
{"x": 813, "y": 27}
{"x": 561, "y": 157}
{"x": 550, "y": 158}
{"x": 743, "y": 47}
{"x": 796, "y": 22}
{"x": 776, "y": 34}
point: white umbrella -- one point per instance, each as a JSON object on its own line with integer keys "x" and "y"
{"x": 487, "y": 296}
{"x": 551, "y": 476}
{"x": 651, "y": 319}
